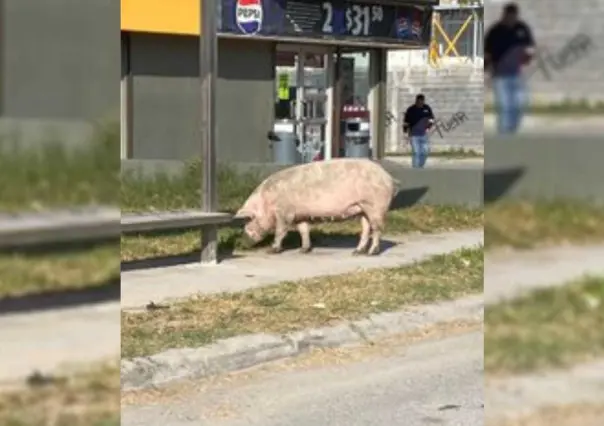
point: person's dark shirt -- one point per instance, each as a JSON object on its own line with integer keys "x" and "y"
{"x": 506, "y": 47}
{"x": 416, "y": 119}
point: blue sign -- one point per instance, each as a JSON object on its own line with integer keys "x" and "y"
{"x": 329, "y": 19}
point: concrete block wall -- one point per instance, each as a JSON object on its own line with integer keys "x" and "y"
{"x": 59, "y": 69}
{"x": 554, "y": 23}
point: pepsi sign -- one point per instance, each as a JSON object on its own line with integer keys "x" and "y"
{"x": 248, "y": 16}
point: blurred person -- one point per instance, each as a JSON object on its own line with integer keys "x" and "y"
{"x": 509, "y": 47}
{"x": 416, "y": 123}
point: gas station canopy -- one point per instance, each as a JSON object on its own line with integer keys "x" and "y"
{"x": 343, "y": 22}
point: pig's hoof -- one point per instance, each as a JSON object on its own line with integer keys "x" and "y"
{"x": 357, "y": 252}
{"x": 373, "y": 252}
{"x": 274, "y": 250}
{"x": 305, "y": 250}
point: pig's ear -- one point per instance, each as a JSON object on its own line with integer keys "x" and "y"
{"x": 244, "y": 214}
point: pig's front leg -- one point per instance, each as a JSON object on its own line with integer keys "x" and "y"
{"x": 304, "y": 230}
{"x": 281, "y": 229}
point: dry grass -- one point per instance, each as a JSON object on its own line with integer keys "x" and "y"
{"x": 550, "y": 328}
{"x": 528, "y": 225}
{"x": 424, "y": 219}
{"x": 291, "y": 306}
{"x": 566, "y": 415}
{"x": 86, "y": 398}
{"x": 34, "y": 273}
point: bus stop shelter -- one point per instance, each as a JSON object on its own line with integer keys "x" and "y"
{"x": 163, "y": 54}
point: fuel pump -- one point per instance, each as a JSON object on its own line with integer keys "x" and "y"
{"x": 300, "y": 115}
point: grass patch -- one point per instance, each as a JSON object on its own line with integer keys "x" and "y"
{"x": 550, "y": 328}
{"x": 55, "y": 176}
{"x": 559, "y": 415}
{"x": 35, "y": 273}
{"x": 531, "y": 224}
{"x": 181, "y": 191}
{"x": 303, "y": 304}
{"x": 87, "y": 398}
{"x": 424, "y": 219}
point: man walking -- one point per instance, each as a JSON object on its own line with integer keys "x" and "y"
{"x": 416, "y": 123}
{"x": 509, "y": 46}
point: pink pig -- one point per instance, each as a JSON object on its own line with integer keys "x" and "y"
{"x": 335, "y": 189}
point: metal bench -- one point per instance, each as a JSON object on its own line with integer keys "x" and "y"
{"x": 99, "y": 224}
{"x": 23, "y": 230}
{"x": 135, "y": 223}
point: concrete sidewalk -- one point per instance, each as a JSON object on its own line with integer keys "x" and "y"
{"x": 260, "y": 269}
{"x": 508, "y": 275}
{"x": 46, "y": 341}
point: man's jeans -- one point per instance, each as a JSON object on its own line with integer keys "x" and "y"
{"x": 419, "y": 150}
{"x": 510, "y": 100}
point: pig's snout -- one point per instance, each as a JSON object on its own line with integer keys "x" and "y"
{"x": 248, "y": 241}
{"x": 253, "y": 236}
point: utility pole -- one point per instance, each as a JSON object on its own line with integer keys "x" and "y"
{"x": 208, "y": 67}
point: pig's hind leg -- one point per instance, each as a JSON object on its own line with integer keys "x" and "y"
{"x": 304, "y": 230}
{"x": 377, "y": 225}
{"x": 364, "y": 240}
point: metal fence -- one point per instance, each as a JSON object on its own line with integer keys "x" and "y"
{"x": 458, "y": 32}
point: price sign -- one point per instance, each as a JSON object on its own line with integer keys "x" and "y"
{"x": 359, "y": 19}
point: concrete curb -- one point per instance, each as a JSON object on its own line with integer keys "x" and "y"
{"x": 242, "y": 352}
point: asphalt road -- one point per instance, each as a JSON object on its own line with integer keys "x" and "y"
{"x": 436, "y": 382}
{"x": 48, "y": 340}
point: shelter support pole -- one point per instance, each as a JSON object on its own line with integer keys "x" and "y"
{"x": 337, "y": 105}
{"x": 126, "y": 135}
{"x": 300, "y": 96}
{"x": 475, "y": 36}
{"x": 330, "y": 69}
{"x": 208, "y": 66}
{"x": 378, "y": 67}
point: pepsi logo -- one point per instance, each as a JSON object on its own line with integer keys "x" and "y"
{"x": 248, "y": 16}
{"x": 416, "y": 29}
{"x": 403, "y": 27}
